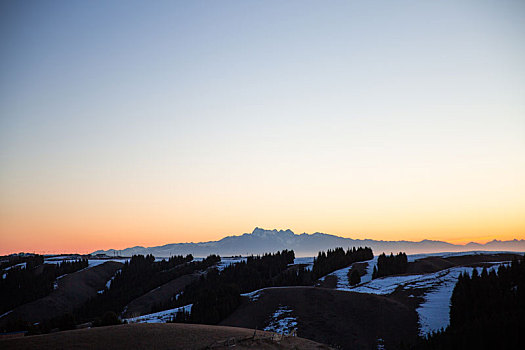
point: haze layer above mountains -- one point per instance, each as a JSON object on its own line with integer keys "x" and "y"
{"x": 262, "y": 241}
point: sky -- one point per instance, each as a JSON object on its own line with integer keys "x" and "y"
{"x": 127, "y": 123}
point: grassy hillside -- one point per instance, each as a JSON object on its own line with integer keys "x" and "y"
{"x": 160, "y": 295}
{"x": 345, "y": 319}
{"x": 157, "y": 336}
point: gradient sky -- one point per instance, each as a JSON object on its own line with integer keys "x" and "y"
{"x": 144, "y": 123}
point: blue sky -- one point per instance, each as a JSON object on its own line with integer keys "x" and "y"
{"x": 362, "y": 118}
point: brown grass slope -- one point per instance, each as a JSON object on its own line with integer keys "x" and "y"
{"x": 143, "y": 304}
{"x": 73, "y": 290}
{"x": 156, "y": 337}
{"x": 344, "y": 319}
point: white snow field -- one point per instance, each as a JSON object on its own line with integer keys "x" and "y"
{"x": 56, "y": 262}
{"x": 96, "y": 262}
{"x": 369, "y": 270}
{"x": 91, "y": 262}
{"x": 21, "y": 265}
{"x": 282, "y": 321}
{"x": 159, "y": 317}
{"x": 257, "y": 293}
{"x": 6, "y": 313}
{"x": 225, "y": 262}
{"x": 108, "y": 283}
{"x": 308, "y": 261}
{"x": 254, "y": 296}
{"x": 387, "y": 285}
{"x": 342, "y": 274}
{"x": 59, "y": 259}
{"x": 434, "y": 310}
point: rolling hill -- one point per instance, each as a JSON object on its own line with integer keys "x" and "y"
{"x": 158, "y": 336}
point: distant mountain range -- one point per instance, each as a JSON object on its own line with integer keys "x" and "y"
{"x": 263, "y": 241}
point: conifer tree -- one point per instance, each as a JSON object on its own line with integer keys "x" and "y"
{"x": 354, "y": 277}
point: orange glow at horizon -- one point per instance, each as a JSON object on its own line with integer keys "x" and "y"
{"x": 67, "y": 218}
{"x": 87, "y": 233}
{"x": 56, "y": 242}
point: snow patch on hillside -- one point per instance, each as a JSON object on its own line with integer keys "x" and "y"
{"x": 342, "y": 275}
{"x": 55, "y": 284}
{"x": 384, "y": 285}
{"x": 367, "y": 277}
{"x": 96, "y": 262}
{"x": 6, "y": 313}
{"x": 21, "y": 266}
{"x": 282, "y": 321}
{"x": 308, "y": 261}
{"x": 434, "y": 310}
{"x": 161, "y": 316}
{"x": 58, "y": 261}
{"x": 388, "y": 284}
{"x": 225, "y": 262}
{"x": 108, "y": 283}
{"x": 254, "y": 296}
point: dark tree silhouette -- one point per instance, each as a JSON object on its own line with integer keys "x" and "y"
{"x": 138, "y": 276}
{"x": 336, "y": 259}
{"x": 390, "y": 265}
{"x": 354, "y": 277}
{"x": 217, "y": 294}
{"x": 36, "y": 280}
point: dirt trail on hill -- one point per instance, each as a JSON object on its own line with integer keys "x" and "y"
{"x": 165, "y": 336}
{"x": 345, "y": 319}
{"x": 73, "y": 290}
